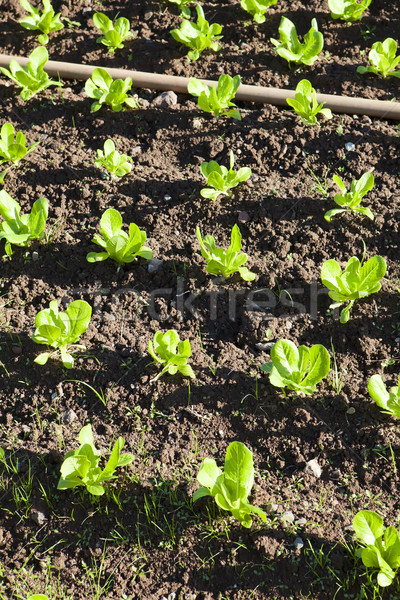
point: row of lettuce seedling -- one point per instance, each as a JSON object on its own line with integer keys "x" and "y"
{"x": 200, "y": 35}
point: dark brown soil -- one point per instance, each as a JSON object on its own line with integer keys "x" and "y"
{"x": 145, "y": 538}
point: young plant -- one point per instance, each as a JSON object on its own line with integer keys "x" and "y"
{"x": 45, "y": 22}
{"x": 81, "y": 466}
{"x": 225, "y": 262}
{"x": 298, "y": 369}
{"x": 388, "y": 401}
{"x": 117, "y": 164}
{"x": 350, "y": 200}
{"x": 231, "y": 486}
{"x": 220, "y": 179}
{"x": 348, "y": 10}
{"x": 167, "y": 350}
{"x": 305, "y": 103}
{"x": 12, "y": 150}
{"x": 383, "y": 59}
{"x": 199, "y": 35}
{"x": 383, "y": 555}
{"x": 183, "y": 6}
{"x": 32, "y": 78}
{"x": 117, "y": 244}
{"x": 357, "y": 281}
{"x": 216, "y": 100}
{"x": 257, "y": 8}
{"x": 61, "y": 330}
{"x": 114, "y": 32}
{"x": 290, "y": 48}
{"x": 20, "y": 230}
{"x": 38, "y": 597}
{"x": 104, "y": 90}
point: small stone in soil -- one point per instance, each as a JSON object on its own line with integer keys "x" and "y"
{"x": 350, "y": 147}
{"x": 313, "y": 468}
{"x": 351, "y": 411}
{"x": 165, "y": 100}
{"x": 243, "y": 217}
{"x": 68, "y": 416}
{"x": 272, "y": 508}
{"x": 287, "y": 516}
{"x": 154, "y": 265}
{"x": 265, "y": 347}
{"x": 298, "y": 543}
{"x": 38, "y": 517}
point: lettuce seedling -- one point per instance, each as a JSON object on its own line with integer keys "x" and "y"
{"x": 383, "y": 555}
{"x": 305, "y": 103}
{"x": 216, "y": 100}
{"x": 167, "y": 350}
{"x": 117, "y": 244}
{"x": 12, "y": 150}
{"x": 117, "y": 164}
{"x": 80, "y": 467}
{"x": 61, "y": 330}
{"x": 38, "y": 597}
{"x": 220, "y": 179}
{"x": 45, "y": 22}
{"x": 388, "y": 401}
{"x": 225, "y": 262}
{"x": 106, "y": 91}
{"x": 350, "y": 200}
{"x": 230, "y": 487}
{"x": 114, "y": 32}
{"x": 383, "y": 59}
{"x": 358, "y": 281}
{"x": 257, "y": 8}
{"x": 183, "y": 6}
{"x": 348, "y": 10}
{"x": 199, "y": 35}
{"x": 290, "y": 48}
{"x": 298, "y": 369}
{"x": 32, "y": 78}
{"x": 18, "y": 229}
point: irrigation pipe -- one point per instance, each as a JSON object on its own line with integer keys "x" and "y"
{"x": 250, "y": 93}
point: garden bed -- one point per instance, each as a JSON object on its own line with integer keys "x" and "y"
{"x": 145, "y": 538}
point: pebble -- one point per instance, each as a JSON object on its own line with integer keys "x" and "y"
{"x": 165, "y": 99}
{"x": 349, "y": 528}
{"x": 301, "y": 522}
{"x": 17, "y": 350}
{"x": 266, "y": 346}
{"x": 313, "y": 468}
{"x": 109, "y": 317}
{"x": 68, "y": 416}
{"x": 221, "y": 433}
{"x": 335, "y": 475}
{"x": 287, "y": 516}
{"x": 243, "y": 217}
{"x": 351, "y": 411}
{"x": 136, "y": 150}
{"x": 154, "y": 265}
{"x": 167, "y": 198}
{"x": 38, "y": 517}
{"x": 272, "y": 508}
{"x": 350, "y": 147}
{"x": 298, "y": 543}
{"x": 196, "y": 123}
{"x": 35, "y": 255}
{"x": 148, "y": 14}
